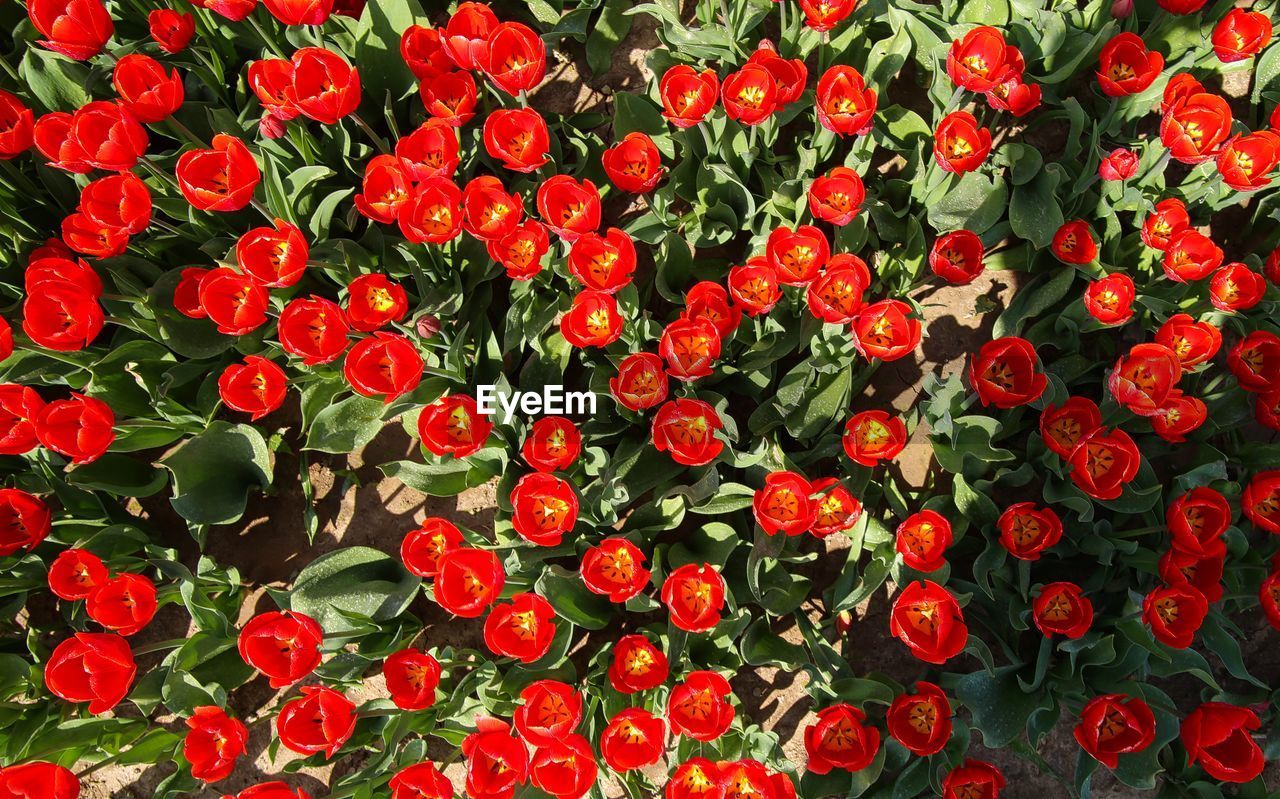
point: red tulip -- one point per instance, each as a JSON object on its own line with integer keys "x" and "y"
{"x": 750, "y": 95}
{"x": 433, "y": 214}
{"x": 77, "y": 29}
{"x": 517, "y": 137}
{"x": 840, "y": 739}
{"x": 845, "y": 104}
{"x": 469, "y": 582}
{"x": 921, "y": 722}
{"x": 637, "y": 665}
{"x": 374, "y": 301}
{"x": 1246, "y": 162}
{"x": 17, "y": 126}
{"x": 1219, "y": 737}
{"x": 960, "y": 145}
{"x": 1142, "y": 379}
{"x": 1261, "y": 501}
{"x": 1240, "y": 35}
{"x": 823, "y": 15}
{"x": 1073, "y": 243}
{"x": 641, "y": 382}
{"x": 314, "y": 329}
{"x": 80, "y": 428}
{"x": 1195, "y": 127}
{"x": 521, "y": 251}
{"x": 453, "y": 425}
{"x": 837, "y": 196}
{"x": 150, "y": 94}
{"x": 496, "y": 761}
{"x": 1236, "y": 287}
{"x": 633, "y": 738}
{"x": 1126, "y": 66}
{"x": 38, "y": 780}
{"x": 419, "y": 781}
{"x": 423, "y": 549}
{"x": 873, "y": 436}
{"x": 687, "y": 95}
{"x": 694, "y": 596}
{"x": 1255, "y": 361}
{"x": 923, "y": 539}
{"x": 24, "y": 521}
{"x": 325, "y": 87}
{"x": 75, "y": 573}
{"x": 615, "y": 568}
{"x": 634, "y": 164}
{"x": 1174, "y": 614}
{"x": 1104, "y": 462}
{"x": 450, "y": 97}
{"x": 755, "y": 286}
{"x": 1191, "y": 255}
{"x": 256, "y": 386}
{"x": 522, "y": 628}
{"x": 957, "y": 257}
{"x": 1120, "y": 164}
{"x": 1169, "y": 219}
{"x": 982, "y": 60}
{"x": 569, "y": 207}
{"x": 884, "y": 330}
{"x": 927, "y": 618}
{"x": 412, "y": 677}
{"x": 123, "y": 604}
{"x": 1193, "y": 342}
{"x": 1110, "y": 299}
{"x": 423, "y": 50}
{"x": 1065, "y": 426}
{"x": 284, "y": 646}
{"x": 975, "y": 779}
{"x": 213, "y": 743}
{"x": 275, "y": 257}
{"x": 603, "y": 263}
{"x": 1004, "y": 373}
{"x": 300, "y": 12}
{"x": 782, "y": 505}
{"x": 1062, "y": 609}
{"x": 220, "y": 179}
{"x": 515, "y": 58}
{"x": 1115, "y": 724}
{"x": 321, "y": 720}
{"x": 384, "y": 364}
{"x": 686, "y": 429}
{"x": 170, "y": 29}
{"x": 548, "y": 711}
{"x": 1026, "y": 531}
{"x": 97, "y": 668}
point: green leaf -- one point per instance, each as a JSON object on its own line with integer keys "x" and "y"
{"x": 377, "y": 48}
{"x": 571, "y": 599}
{"x": 59, "y": 84}
{"x": 359, "y": 581}
{"x": 610, "y": 29}
{"x": 999, "y": 706}
{"x": 975, "y": 204}
{"x": 1034, "y": 213}
{"x": 1034, "y": 299}
{"x": 120, "y": 475}
{"x": 347, "y": 425}
{"x": 214, "y": 471}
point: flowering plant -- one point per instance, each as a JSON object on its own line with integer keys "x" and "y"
{"x": 938, "y": 368}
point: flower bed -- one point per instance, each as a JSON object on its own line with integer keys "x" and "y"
{"x": 682, "y": 346}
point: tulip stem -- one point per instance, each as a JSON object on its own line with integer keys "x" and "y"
{"x": 160, "y": 646}
{"x": 262, "y": 34}
{"x": 382, "y": 145}
{"x": 185, "y": 131}
{"x": 263, "y": 210}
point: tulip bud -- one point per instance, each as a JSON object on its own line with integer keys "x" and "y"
{"x": 844, "y": 622}
{"x": 428, "y": 326}
{"x": 1121, "y": 8}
